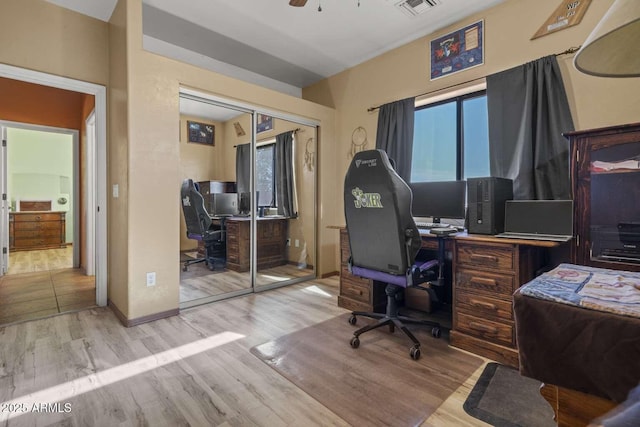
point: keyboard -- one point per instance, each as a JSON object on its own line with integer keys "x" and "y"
{"x": 429, "y": 225}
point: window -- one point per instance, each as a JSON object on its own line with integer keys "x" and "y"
{"x": 451, "y": 139}
{"x": 265, "y": 170}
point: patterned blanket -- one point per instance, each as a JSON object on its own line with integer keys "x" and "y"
{"x": 613, "y": 291}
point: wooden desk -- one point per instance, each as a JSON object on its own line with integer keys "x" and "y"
{"x": 271, "y": 240}
{"x": 486, "y": 272}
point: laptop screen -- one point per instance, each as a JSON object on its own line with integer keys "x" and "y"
{"x": 539, "y": 217}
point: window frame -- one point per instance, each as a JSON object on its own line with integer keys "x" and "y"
{"x": 459, "y": 100}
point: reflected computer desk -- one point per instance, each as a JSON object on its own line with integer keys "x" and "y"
{"x": 271, "y": 241}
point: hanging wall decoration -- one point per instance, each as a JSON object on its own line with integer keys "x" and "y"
{"x": 309, "y": 155}
{"x": 264, "y": 123}
{"x": 568, "y": 14}
{"x": 201, "y": 133}
{"x": 457, "y": 51}
{"x": 358, "y": 141}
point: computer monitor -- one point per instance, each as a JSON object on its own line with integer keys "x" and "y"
{"x": 224, "y": 204}
{"x": 442, "y": 199}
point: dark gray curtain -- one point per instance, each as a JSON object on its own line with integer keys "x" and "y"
{"x": 243, "y": 168}
{"x": 528, "y": 112}
{"x": 395, "y": 133}
{"x": 285, "y": 183}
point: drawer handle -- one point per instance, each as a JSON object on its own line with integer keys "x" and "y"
{"x": 483, "y": 281}
{"x": 483, "y": 328}
{"x": 38, "y": 218}
{"x": 482, "y": 304}
{"x": 484, "y": 258}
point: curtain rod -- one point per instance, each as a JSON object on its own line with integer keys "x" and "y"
{"x": 296, "y": 130}
{"x": 566, "y": 52}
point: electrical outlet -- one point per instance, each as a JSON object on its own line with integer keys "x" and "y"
{"x": 297, "y": 243}
{"x": 116, "y": 191}
{"x": 151, "y": 278}
{"x": 288, "y": 242}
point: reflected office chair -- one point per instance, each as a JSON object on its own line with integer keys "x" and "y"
{"x": 384, "y": 241}
{"x": 199, "y": 226}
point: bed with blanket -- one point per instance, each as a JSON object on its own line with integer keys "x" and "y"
{"x": 578, "y": 327}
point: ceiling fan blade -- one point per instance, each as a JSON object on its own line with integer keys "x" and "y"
{"x": 297, "y": 3}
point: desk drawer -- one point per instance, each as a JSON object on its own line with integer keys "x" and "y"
{"x": 345, "y": 276}
{"x": 356, "y": 291}
{"x": 497, "y": 332}
{"x": 492, "y": 284}
{"x": 483, "y": 305}
{"x": 485, "y": 256}
{"x": 233, "y": 253}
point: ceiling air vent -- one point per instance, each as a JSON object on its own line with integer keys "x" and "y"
{"x": 416, "y": 7}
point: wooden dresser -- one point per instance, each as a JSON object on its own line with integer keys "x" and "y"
{"x": 487, "y": 271}
{"x": 271, "y": 239}
{"x": 36, "y": 230}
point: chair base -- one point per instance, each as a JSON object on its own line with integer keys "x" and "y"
{"x": 392, "y": 319}
{"x": 186, "y": 264}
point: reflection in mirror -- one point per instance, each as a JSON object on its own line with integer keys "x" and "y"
{"x": 214, "y": 263}
{"x": 286, "y": 215}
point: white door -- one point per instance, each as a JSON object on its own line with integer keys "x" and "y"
{"x": 90, "y": 194}
{"x": 4, "y": 206}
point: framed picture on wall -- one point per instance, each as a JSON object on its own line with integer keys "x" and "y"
{"x": 264, "y": 123}
{"x": 201, "y": 133}
{"x": 457, "y": 51}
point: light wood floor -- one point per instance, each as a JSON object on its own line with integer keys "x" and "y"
{"x": 41, "y": 283}
{"x": 29, "y": 296}
{"x": 191, "y": 369}
{"x": 40, "y": 260}
{"x": 200, "y": 282}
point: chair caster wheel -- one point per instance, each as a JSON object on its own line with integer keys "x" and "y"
{"x": 355, "y": 342}
{"x": 436, "y": 332}
{"x": 353, "y": 320}
{"x": 184, "y": 268}
{"x": 414, "y": 353}
{"x": 392, "y": 328}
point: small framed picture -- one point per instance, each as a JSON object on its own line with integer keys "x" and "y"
{"x": 201, "y": 133}
{"x": 264, "y": 123}
{"x": 457, "y": 51}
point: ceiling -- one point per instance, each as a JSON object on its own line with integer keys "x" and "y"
{"x": 278, "y": 46}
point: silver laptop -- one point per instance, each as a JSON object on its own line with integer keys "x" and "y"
{"x": 538, "y": 220}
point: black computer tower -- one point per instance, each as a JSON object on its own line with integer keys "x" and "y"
{"x": 485, "y": 204}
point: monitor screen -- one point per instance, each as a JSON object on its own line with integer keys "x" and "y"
{"x": 443, "y": 199}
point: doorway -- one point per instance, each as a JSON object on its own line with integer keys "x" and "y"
{"x": 263, "y": 247}
{"x": 75, "y": 281}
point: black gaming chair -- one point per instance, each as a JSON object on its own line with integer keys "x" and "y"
{"x": 199, "y": 226}
{"x": 384, "y": 240}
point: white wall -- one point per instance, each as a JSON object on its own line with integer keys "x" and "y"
{"x": 40, "y": 167}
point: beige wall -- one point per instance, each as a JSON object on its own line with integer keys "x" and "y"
{"x": 40, "y": 36}
{"x": 153, "y": 104}
{"x": 118, "y": 162}
{"x": 404, "y": 72}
